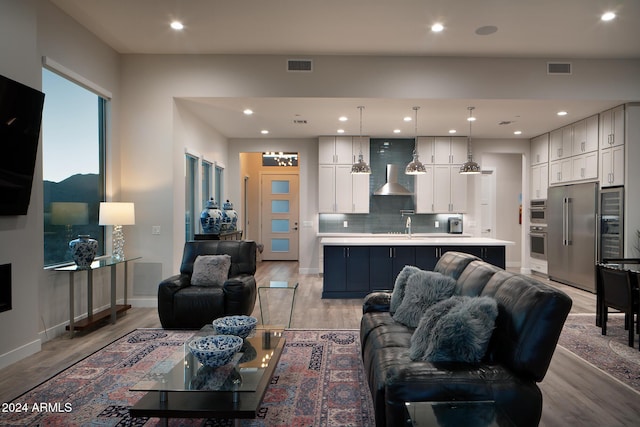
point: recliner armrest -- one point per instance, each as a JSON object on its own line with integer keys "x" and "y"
{"x": 239, "y": 294}
{"x": 376, "y": 302}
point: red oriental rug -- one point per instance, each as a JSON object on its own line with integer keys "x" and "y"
{"x": 319, "y": 381}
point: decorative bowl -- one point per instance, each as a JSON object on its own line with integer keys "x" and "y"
{"x": 215, "y": 350}
{"x": 240, "y": 326}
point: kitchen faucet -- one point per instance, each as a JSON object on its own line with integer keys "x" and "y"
{"x": 408, "y": 226}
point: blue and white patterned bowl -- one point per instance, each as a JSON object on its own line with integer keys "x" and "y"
{"x": 240, "y": 326}
{"x": 215, "y": 350}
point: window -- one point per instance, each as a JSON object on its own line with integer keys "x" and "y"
{"x": 219, "y": 185}
{"x": 191, "y": 184}
{"x": 73, "y": 141}
{"x": 207, "y": 178}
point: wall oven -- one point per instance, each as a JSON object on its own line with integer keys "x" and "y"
{"x": 538, "y": 212}
{"x": 538, "y": 242}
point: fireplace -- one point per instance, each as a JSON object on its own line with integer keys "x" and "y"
{"x": 5, "y": 287}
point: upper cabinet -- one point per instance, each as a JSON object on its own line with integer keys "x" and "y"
{"x": 540, "y": 149}
{"x": 585, "y": 136}
{"x": 339, "y": 191}
{"x": 612, "y": 127}
{"x": 560, "y": 143}
{"x": 342, "y": 150}
{"x": 449, "y": 150}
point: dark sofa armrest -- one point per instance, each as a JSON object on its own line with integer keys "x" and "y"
{"x": 376, "y": 302}
{"x": 171, "y": 285}
{"x": 239, "y": 294}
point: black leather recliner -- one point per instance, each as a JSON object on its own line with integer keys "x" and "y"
{"x": 183, "y": 306}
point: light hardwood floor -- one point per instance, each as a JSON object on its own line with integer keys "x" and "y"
{"x": 574, "y": 392}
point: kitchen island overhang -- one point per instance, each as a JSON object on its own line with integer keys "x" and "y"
{"x": 355, "y": 266}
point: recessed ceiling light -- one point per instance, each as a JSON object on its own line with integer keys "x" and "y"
{"x": 407, "y": 119}
{"x": 340, "y": 130}
{"x": 397, "y": 131}
{"x": 517, "y": 132}
{"x": 343, "y": 118}
{"x": 452, "y": 131}
{"x": 248, "y": 112}
{"x": 264, "y": 132}
{"x": 177, "y": 25}
{"x": 562, "y": 113}
{"x": 437, "y": 27}
{"x": 608, "y": 16}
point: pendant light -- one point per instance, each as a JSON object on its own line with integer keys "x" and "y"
{"x": 470, "y": 167}
{"x": 415, "y": 167}
{"x": 360, "y": 167}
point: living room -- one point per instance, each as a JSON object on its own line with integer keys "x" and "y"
{"x": 149, "y": 123}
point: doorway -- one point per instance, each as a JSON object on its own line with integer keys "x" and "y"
{"x": 279, "y": 216}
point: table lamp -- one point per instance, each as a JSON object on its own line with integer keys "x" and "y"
{"x": 117, "y": 214}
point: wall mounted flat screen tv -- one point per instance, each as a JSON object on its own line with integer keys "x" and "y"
{"x": 20, "y": 121}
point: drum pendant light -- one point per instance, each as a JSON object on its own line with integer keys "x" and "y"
{"x": 470, "y": 167}
{"x": 415, "y": 167}
{"x": 360, "y": 167}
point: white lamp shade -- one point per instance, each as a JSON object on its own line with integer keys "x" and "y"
{"x": 117, "y": 213}
{"x": 69, "y": 213}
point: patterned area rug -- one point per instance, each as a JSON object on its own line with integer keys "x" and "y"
{"x": 611, "y": 353}
{"x": 319, "y": 381}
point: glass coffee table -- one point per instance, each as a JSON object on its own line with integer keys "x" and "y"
{"x": 276, "y": 302}
{"x": 444, "y": 414}
{"x": 187, "y": 389}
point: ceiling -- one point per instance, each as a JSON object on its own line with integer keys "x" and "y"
{"x": 524, "y": 29}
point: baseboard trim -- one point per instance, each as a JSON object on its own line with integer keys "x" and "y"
{"x": 20, "y": 353}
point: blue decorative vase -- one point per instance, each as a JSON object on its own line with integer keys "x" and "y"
{"x": 211, "y": 218}
{"x": 229, "y": 217}
{"x": 83, "y": 250}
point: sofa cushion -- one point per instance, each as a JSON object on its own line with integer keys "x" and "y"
{"x": 210, "y": 270}
{"x": 423, "y": 289}
{"x": 399, "y": 287}
{"x": 457, "y": 329}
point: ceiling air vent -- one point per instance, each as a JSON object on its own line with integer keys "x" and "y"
{"x": 303, "y": 65}
{"x": 555, "y": 68}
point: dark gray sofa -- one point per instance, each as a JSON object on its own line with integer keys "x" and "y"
{"x": 530, "y": 318}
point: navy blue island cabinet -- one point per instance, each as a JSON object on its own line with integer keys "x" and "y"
{"x": 353, "y": 271}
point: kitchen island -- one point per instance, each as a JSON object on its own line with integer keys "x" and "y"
{"x": 354, "y": 266}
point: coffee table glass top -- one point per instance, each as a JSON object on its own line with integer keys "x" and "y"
{"x": 181, "y": 371}
{"x": 484, "y": 413}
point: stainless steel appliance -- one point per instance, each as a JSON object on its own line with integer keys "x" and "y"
{"x": 611, "y": 231}
{"x": 538, "y": 242}
{"x": 538, "y": 212}
{"x": 571, "y": 238}
{"x": 455, "y": 225}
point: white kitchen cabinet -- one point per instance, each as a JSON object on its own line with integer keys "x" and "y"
{"x": 585, "y": 136}
{"x": 450, "y": 150}
{"x": 540, "y": 149}
{"x": 560, "y": 171}
{"x": 560, "y": 145}
{"x": 339, "y": 191}
{"x": 612, "y": 166}
{"x": 426, "y": 149}
{"x": 584, "y": 166}
{"x": 449, "y": 189}
{"x": 342, "y": 150}
{"x": 539, "y": 181}
{"x": 612, "y": 127}
{"x": 424, "y": 191}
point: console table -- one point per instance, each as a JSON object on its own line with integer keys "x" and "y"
{"x": 93, "y": 318}
{"x": 225, "y": 235}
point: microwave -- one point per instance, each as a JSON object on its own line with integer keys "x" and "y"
{"x": 538, "y": 212}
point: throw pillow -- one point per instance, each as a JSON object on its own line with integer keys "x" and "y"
{"x": 399, "y": 286}
{"x": 210, "y": 270}
{"x": 423, "y": 289}
{"x": 455, "y": 330}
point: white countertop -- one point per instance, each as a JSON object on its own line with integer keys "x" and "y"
{"x": 415, "y": 240}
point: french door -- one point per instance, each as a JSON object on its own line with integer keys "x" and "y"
{"x": 279, "y": 216}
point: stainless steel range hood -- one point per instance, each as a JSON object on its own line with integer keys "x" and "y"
{"x": 392, "y": 187}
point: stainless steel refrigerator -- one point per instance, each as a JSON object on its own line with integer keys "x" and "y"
{"x": 572, "y": 227}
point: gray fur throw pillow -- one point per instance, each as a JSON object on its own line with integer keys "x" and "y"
{"x": 210, "y": 270}
{"x": 399, "y": 286}
{"x": 455, "y": 330}
{"x": 423, "y": 289}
